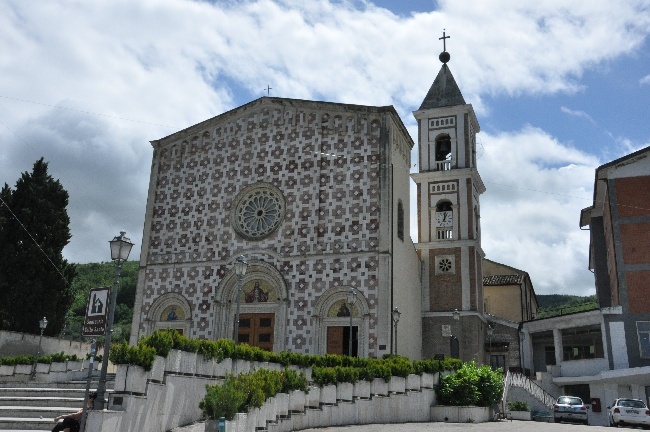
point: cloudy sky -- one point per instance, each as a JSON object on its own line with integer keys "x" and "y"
{"x": 559, "y": 88}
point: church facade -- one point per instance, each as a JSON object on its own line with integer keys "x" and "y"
{"x": 315, "y": 197}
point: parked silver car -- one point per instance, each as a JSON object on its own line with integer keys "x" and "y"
{"x": 628, "y": 411}
{"x": 569, "y": 408}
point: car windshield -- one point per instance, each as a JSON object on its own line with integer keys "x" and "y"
{"x": 567, "y": 400}
{"x": 631, "y": 403}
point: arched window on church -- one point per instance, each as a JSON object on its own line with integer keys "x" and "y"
{"x": 443, "y": 153}
{"x": 400, "y": 220}
{"x": 444, "y": 221}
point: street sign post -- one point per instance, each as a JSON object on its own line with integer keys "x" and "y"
{"x": 96, "y": 312}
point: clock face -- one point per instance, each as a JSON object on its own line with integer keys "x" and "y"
{"x": 443, "y": 219}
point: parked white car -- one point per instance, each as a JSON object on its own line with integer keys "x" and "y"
{"x": 569, "y": 408}
{"x": 628, "y": 411}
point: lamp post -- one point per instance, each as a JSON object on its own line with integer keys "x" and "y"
{"x": 396, "y": 314}
{"x": 241, "y": 265}
{"x": 41, "y": 324}
{"x": 490, "y": 333}
{"x": 120, "y": 249}
{"x": 352, "y": 295}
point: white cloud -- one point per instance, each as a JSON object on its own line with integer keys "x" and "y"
{"x": 178, "y": 62}
{"x": 578, "y": 113}
{"x": 645, "y": 80}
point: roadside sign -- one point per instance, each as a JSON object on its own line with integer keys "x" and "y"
{"x": 96, "y": 312}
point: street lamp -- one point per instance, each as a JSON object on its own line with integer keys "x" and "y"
{"x": 241, "y": 265}
{"x": 456, "y": 314}
{"x": 352, "y": 295}
{"x": 396, "y": 314}
{"x": 120, "y": 249}
{"x": 41, "y": 324}
{"x": 490, "y": 333}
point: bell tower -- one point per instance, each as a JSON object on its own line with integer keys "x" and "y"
{"x": 449, "y": 229}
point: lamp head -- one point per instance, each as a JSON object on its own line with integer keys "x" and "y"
{"x": 352, "y": 296}
{"x": 43, "y": 323}
{"x": 490, "y": 330}
{"x": 456, "y": 314}
{"x": 120, "y": 247}
{"x": 241, "y": 265}
{"x": 396, "y": 314}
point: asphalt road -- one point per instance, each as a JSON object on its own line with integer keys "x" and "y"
{"x": 498, "y": 426}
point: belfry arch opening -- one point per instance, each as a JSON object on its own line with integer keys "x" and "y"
{"x": 443, "y": 153}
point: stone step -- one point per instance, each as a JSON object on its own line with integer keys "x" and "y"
{"x": 24, "y": 424}
{"x": 42, "y": 392}
{"x": 42, "y": 401}
{"x": 35, "y": 412}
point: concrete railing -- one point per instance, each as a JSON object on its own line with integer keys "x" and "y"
{"x": 168, "y": 396}
{"x": 14, "y": 344}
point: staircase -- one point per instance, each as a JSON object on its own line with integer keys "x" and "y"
{"x": 519, "y": 387}
{"x": 32, "y": 405}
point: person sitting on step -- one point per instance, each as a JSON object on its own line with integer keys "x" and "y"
{"x": 71, "y": 422}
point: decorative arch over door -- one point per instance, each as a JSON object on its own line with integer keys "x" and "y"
{"x": 170, "y": 310}
{"x": 262, "y": 307}
{"x": 332, "y": 312}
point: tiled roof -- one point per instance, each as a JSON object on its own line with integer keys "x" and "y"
{"x": 503, "y": 280}
{"x": 444, "y": 91}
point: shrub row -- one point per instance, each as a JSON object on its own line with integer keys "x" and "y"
{"x": 246, "y": 391}
{"x": 30, "y": 359}
{"x": 327, "y": 368}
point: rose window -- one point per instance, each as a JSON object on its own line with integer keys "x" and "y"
{"x": 258, "y": 211}
{"x": 444, "y": 265}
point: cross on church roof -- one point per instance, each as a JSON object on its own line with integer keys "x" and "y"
{"x": 268, "y": 89}
{"x": 444, "y": 42}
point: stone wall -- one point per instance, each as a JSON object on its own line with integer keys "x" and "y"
{"x": 14, "y": 344}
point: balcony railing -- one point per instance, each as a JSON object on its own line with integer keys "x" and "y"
{"x": 444, "y": 234}
{"x": 443, "y": 165}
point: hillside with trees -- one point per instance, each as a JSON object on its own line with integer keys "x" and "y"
{"x": 562, "y": 304}
{"x": 95, "y": 275}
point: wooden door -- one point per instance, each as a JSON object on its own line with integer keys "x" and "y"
{"x": 257, "y": 330}
{"x": 334, "y": 340}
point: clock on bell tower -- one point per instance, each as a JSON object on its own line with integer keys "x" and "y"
{"x": 449, "y": 243}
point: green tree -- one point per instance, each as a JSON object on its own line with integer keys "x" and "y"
{"x": 35, "y": 280}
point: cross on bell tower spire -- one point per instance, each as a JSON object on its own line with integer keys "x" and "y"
{"x": 444, "y": 55}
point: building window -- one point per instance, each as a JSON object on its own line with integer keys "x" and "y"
{"x": 400, "y": 220}
{"x": 643, "y": 331}
{"x": 498, "y": 361}
{"x": 582, "y": 343}
{"x": 445, "y": 264}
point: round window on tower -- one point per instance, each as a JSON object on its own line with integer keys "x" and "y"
{"x": 257, "y": 211}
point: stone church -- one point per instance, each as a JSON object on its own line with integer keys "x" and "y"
{"x": 315, "y": 197}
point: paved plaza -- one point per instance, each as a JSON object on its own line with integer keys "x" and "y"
{"x": 498, "y": 426}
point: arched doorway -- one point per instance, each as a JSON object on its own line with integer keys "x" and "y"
{"x": 170, "y": 311}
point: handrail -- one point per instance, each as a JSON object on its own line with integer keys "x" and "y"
{"x": 521, "y": 380}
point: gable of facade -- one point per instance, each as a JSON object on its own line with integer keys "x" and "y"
{"x": 508, "y": 292}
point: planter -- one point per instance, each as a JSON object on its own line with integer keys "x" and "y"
{"x": 313, "y": 397}
{"x": 238, "y": 424}
{"x": 157, "y": 372}
{"x": 43, "y": 368}
{"x": 413, "y": 382}
{"x": 361, "y": 390}
{"x": 397, "y": 384}
{"x": 204, "y": 367}
{"x": 223, "y": 368}
{"x": 328, "y": 395}
{"x": 297, "y": 401}
{"x": 460, "y": 414}
{"x": 75, "y": 365}
{"x": 426, "y": 380}
{"x": 241, "y": 366}
{"x": 282, "y": 405}
{"x": 23, "y": 369}
{"x": 6, "y": 370}
{"x": 173, "y": 361}
{"x": 344, "y": 391}
{"x": 379, "y": 387}
{"x": 188, "y": 363}
{"x": 58, "y": 367}
{"x": 130, "y": 379}
{"x": 519, "y": 415}
{"x": 213, "y": 425}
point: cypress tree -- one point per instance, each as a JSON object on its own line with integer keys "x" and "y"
{"x": 35, "y": 280}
